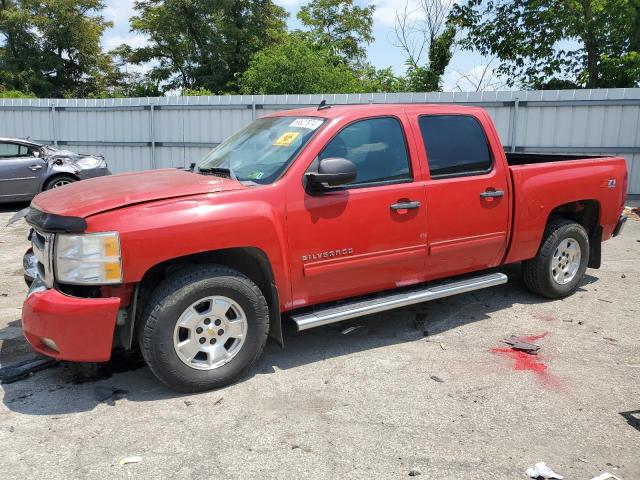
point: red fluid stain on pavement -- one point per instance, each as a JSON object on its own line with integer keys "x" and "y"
{"x": 523, "y": 361}
{"x": 545, "y": 317}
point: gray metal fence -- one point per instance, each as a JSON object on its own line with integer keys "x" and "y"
{"x": 144, "y": 133}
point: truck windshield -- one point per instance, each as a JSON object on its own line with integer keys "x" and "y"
{"x": 260, "y": 152}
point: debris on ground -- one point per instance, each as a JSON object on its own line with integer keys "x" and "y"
{"x": 542, "y": 470}
{"x": 519, "y": 343}
{"x": 348, "y": 330}
{"x": 632, "y": 418}
{"x": 632, "y": 212}
{"x": 414, "y": 472}
{"x": 188, "y": 403}
{"x": 436, "y": 378}
{"x": 109, "y": 394}
{"x": 605, "y": 476}
{"x": 126, "y": 460}
{"x": 218, "y": 401}
{"x": 26, "y": 368}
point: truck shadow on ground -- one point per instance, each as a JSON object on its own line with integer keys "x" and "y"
{"x": 68, "y": 388}
{"x": 12, "y": 207}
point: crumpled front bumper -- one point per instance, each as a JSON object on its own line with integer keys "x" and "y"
{"x": 66, "y": 327}
{"x": 87, "y": 173}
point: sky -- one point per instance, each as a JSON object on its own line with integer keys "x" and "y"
{"x": 382, "y": 53}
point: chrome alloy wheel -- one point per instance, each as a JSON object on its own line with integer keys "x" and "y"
{"x": 566, "y": 261}
{"x": 60, "y": 183}
{"x": 210, "y": 332}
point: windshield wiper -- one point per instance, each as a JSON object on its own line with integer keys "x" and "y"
{"x": 218, "y": 171}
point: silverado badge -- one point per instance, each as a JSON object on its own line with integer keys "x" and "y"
{"x": 328, "y": 254}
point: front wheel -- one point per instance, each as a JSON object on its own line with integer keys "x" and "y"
{"x": 59, "y": 181}
{"x": 203, "y": 327}
{"x": 561, "y": 262}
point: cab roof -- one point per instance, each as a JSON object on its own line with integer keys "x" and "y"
{"x": 355, "y": 110}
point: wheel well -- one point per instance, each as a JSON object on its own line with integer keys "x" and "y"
{"x": 584, "y": 212}
{"x": 249, "y": 261}
{"x": 58, "y": 175}
{"x": 587, "y": 214}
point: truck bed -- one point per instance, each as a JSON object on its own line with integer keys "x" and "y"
{"x": 542, "y": 182}
{"x": 518, "y": 158}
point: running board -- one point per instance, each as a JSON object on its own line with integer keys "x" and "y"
{"x": 359, "y": 308}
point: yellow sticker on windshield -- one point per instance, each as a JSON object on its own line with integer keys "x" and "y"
{"x": 286, "y": 139}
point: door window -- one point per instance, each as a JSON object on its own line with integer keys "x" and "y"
{"x": 377, "y": 148}
{"x": 13, "y": 150}
{"x": 455, "y": 145}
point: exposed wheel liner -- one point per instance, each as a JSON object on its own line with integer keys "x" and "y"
{"x": 172, "y": 297}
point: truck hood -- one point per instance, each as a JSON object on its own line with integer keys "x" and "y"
{"x": 88, "y": 197}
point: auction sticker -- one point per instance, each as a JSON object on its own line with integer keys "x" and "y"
{"x": 310, "y": 123}
{"x": 286, "y": 139}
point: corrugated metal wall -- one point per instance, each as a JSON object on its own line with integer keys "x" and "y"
{"x": 143, "y": 133}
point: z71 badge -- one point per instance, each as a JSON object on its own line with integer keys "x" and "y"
{"x": 329, "y": 254}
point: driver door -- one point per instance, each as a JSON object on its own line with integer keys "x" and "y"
{"x": 356, "y": 239}
{"x": 20, "y": 171}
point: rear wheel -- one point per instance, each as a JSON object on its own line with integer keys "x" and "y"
{"x": 204, "y": 326}
{"x": 561, "y": 262}
{"x": 59, "y": 181}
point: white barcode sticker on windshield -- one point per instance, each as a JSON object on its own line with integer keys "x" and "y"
{"x": 310, "y": 123}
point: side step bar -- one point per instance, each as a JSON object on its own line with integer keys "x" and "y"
{"x": 359, "y": 308}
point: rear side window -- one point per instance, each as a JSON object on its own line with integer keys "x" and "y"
{"x": 456, "y": 145}
{"x": 377, "y": 148}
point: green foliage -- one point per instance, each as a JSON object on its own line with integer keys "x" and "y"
{"x": 296, "y": 66}
{"x": 196, "y": 92}
{"x": 341, "y": 26}
{"x": 429, "y": 78}
{"x": 15, "y": 94}
{"x": 203, "y": 43}
{"x": 534, "y": 39}
{"x": 378, "y": 80}
{"x": 52, "y": 47}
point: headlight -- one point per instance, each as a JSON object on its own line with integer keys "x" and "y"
{"x": 91, "y": 162}
{"x": 88, "y": 259}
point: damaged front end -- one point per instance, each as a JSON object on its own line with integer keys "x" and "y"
{"x": 78, "y": 165}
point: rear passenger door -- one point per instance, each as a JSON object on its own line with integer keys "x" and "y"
{"x": 466, "y": 195}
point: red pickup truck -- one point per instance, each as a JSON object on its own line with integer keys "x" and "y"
{"x": 314, "y": 216}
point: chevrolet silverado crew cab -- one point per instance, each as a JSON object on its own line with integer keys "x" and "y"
{"x": 312, "y": 216}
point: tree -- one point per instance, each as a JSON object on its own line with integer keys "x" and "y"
{"x": 427, "y": 43}
{"x": 541, "y": 42}
{"x": 341, "y": 26}
{"x": 204, "y": 43}
{"x": 480, "y": 78}
{"x": 52, "y": 47}
{"x": 297, "y": 66}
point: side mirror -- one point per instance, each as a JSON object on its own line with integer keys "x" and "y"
{"x": 332, "y": 172}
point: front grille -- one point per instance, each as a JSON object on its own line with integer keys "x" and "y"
{"x": 42, "y": 244}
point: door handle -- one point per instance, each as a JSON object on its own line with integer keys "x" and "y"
{"x": 492, "y": 193}
{"x": 33, "y": 168}
{"x": 405, "y": 205}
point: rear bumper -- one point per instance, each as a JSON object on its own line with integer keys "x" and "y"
{"x": 70, "y": 328}
{"x": 621, "y": 221}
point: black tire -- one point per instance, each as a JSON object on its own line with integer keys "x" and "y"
{"x": 536, "y": 272}
{"x": 175, "y": 294}
{"x": 56, "y": 181}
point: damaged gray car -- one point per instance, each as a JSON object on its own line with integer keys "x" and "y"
{"x": 28, "y": 168}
